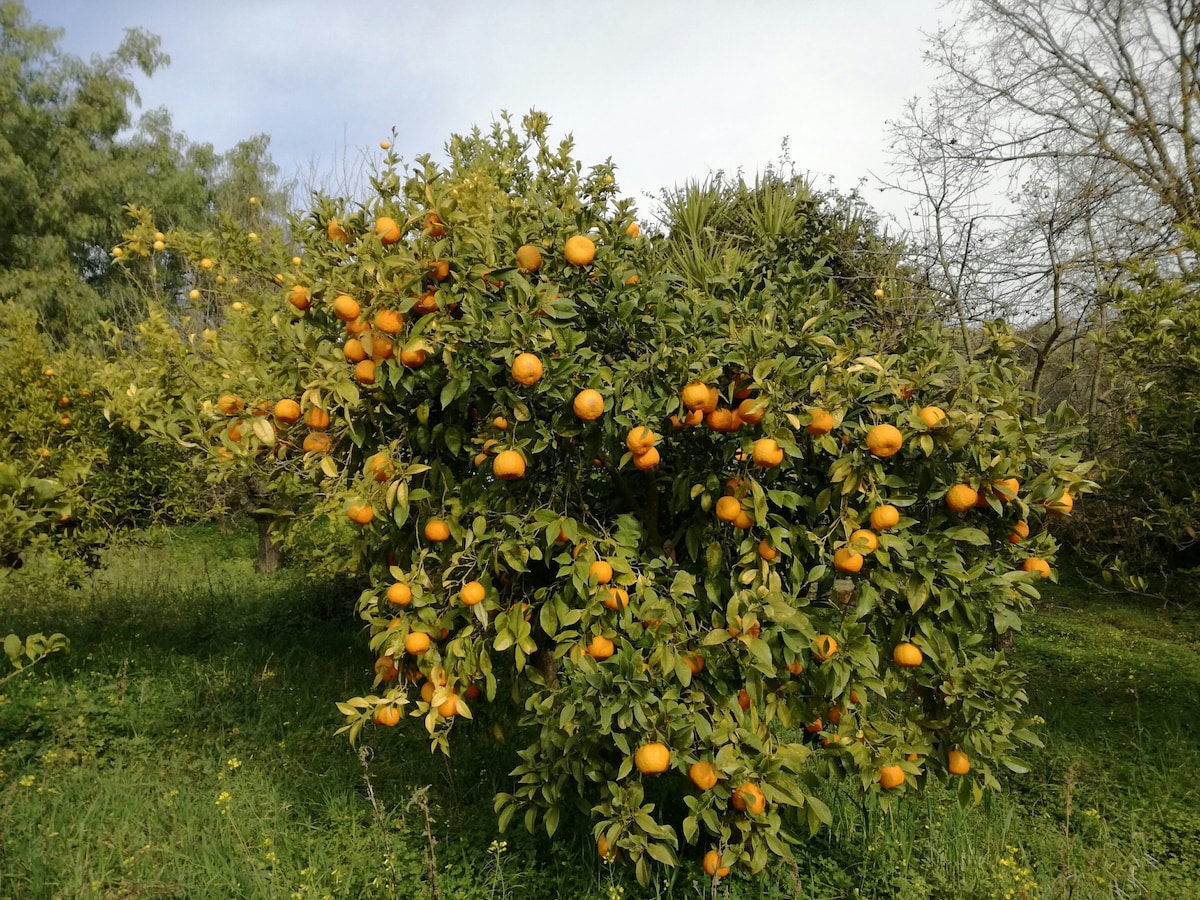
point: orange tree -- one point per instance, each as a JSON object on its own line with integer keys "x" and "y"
{"x": 69, "y": 481}
{"x": 44, "y": 463}
{"x": 210, "y": 370}
{"x": 715, "y": 535}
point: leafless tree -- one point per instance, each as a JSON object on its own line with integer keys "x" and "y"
{"x": 1057, "y": 145}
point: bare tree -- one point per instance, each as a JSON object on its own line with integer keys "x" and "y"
{"x": 1057, "y": 145}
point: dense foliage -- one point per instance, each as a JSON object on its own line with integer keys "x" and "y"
{"x": 509, "y": 383}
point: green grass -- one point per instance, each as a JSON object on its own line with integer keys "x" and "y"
{"x": 184, "y": 748}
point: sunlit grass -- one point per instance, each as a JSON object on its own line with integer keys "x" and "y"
{"x": 185, "y": 748}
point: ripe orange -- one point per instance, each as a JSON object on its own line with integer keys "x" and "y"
{"x": 767, "y": 453}
{"x": 317, "y": 442}
{"x": 579, "y": 250}
{"x": 439, "y": 270}
{"x": 846, "y": 560}
{"x": 449, "y": 707}
{"x": 316, "y": 418}
{"x": 509, "y": 465}
{"x": 766, "y": 551}
{"x": 815, "y": 726}
{"x": 601, "y": 570}
{"x": 885, "y": 517}
{"x": 606, "y": 853}
{"x": 346, "y": 308}
{"x": 287, "y": 412}
{"x": 959, "y": 764}
{"x": 399, "y": 594}
{"x": 728, "y": 508}
{"x": 647, "y": 460}
{"x": 1061, "y": 506}
{"x": 1019, "y": 533}
{"x": 885, "y": 440}
{"x": 1006, "y": 488}
{"x": 588, "y": 405}
{"x": 231, "y": 404}
{"x": 529, "y": 258}
{"x": 426, "y": 304}
{"x": 360, "y": 513}
{"x": 932, "y": 416}
{"x": 378, "y": 465}
{"x": 749, "y": 797}
{"x": 640, "y": 439}
{"x": 633, "y": 229}
{"x": 364, "y": 371}
{"x": 743, "y": 699}
{"x": 652, "y": 758}
{"x": 822, "y": 422}
{"x": 752, "y": 411}
{"x": 437, "y": 530}
{"x": 907, "y": 656}
{"x": 961, "y": 497}
{"x": 416, "y": 643}
{"x": 600, "y": 648}
{"x": 433, "y": 225}
{"x": 388, "y": 716}
{"x": 381, "y": 347}
{"x": 500, "y": 423}
{"x": 235, "y": 432}
{"x": 864, "y": 540}
{"x": 412, "y": 358}
{"x": 695, "y": 395}
{"x": 336, "y": 232}
{"x": 744, "y": 520}
{"x": 1037, "y": 564}
{"x": 389, "y": 321}
{"x": 712, "y": 865}
{"x": 703, "y": 774}
{"x": 387, "y": 229}
{"x": 694, "y": 662}
{"x": 299, "y": 297}
{"x": 823, "y": 647}
{"x": 890, "y": 777}
{"x": 526, "y": 369}
{"x": 357, "y": 327}
{"x": 472, "y": 592}
{"x": 616, "y": 599}
{"x": 721, "y": 420}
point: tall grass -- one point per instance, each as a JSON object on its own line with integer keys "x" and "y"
{"x": 185, "y": 748}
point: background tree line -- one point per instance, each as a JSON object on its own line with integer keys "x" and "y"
{"x": 1051, "y": 175}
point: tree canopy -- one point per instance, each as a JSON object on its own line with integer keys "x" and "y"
{"x": 73, "y": 152}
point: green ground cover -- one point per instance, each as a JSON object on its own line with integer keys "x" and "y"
{"x": 184, "y": 747}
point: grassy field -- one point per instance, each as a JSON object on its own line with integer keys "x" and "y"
{"x": 184, "y": 747}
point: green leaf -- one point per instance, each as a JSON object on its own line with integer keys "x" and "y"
{"x": 13, "y": 648}
{"x": 818, "y": 809}
{"x": 662, "y": 853}
{"x": 968, "y": 535}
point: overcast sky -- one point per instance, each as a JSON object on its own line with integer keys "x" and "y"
{"x": 670, "y": 90}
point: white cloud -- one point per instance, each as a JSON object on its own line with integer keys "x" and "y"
{"x": 670, "y": 90}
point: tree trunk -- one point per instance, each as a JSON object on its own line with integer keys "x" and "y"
{"x": 545, "y": 663}
{"x": 1002, "y": 641}
{"x": 270, "y": 554}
